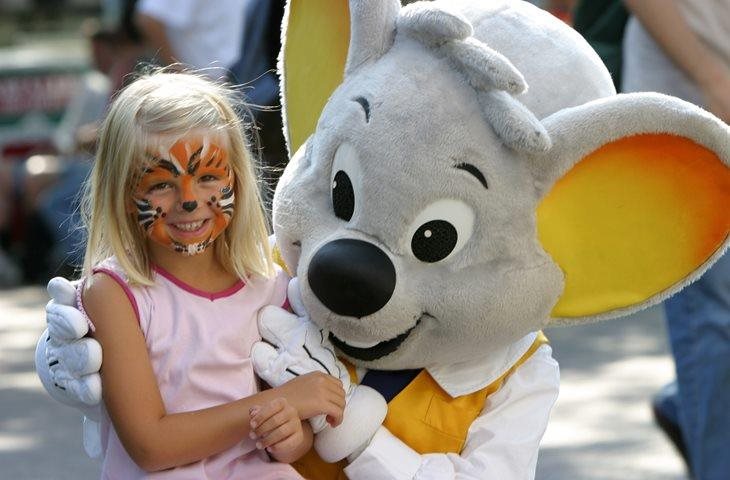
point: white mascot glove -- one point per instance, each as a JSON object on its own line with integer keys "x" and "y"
{"x": 293, "y": 346}
{"x": 68, "y": 363}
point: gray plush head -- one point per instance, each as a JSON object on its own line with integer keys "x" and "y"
{"x": 410, "y": 216}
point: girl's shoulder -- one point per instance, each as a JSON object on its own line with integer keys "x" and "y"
{"x": 101, "y": 296}
{"x": 278, "y": 276}
{"x": 111, "y": 267}
{"x": 108, "y": 286}
{"x": 274, "y": 288}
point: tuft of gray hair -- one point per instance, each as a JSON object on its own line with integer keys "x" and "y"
{"x": 494, "y": 78}
{"x": 433, "y": 25}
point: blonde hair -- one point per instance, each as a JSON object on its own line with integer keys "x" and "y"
{"x": 161, "y": 104}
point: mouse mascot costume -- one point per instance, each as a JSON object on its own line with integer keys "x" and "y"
{"x": 463, "y": 175}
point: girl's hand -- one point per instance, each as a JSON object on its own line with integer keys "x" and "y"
{"x": 277, "y": 428}
{"x": 315, "y": 393}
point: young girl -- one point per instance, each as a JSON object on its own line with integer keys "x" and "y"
{"x": 177, "y": 265}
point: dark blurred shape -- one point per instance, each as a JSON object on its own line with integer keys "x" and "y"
{"x": 602, "y": 24}
{"x": 255, "y": 74}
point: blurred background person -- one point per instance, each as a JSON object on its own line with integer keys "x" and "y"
{"x": 10, "y": 273}
{"x": 255, "y": 75}
{"x": 197, "y": 34}
{"x": 602, "y": 23}
{"x": 682, "y": 48}
{"x": 46, "y": 187}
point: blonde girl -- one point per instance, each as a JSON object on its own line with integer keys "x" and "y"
{"x": 177, "y": 265}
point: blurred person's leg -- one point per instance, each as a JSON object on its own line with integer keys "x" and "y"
{"x": 699, "y": 332}
{"x": 698, "y": 317}
{"x": 665, "y": 407}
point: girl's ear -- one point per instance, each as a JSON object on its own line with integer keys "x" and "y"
{"x": 637, "y": 201}
{"x": 321, "y": 40}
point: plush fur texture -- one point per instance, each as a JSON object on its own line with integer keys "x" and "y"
{"x": 432, "y": 123}
{"x": 372, "y": 35}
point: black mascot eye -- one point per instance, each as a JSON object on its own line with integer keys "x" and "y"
{"x": 343, "y": 197}
{"x": 434, "y": 241}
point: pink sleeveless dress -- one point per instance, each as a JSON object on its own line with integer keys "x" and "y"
{"x": 199, "y": 345}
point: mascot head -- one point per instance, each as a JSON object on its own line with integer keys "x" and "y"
{"x": 466, "y": 174}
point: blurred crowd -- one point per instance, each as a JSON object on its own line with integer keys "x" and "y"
{"x": 235, "y": 41}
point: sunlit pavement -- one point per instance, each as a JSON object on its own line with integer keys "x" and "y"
{"x": 601, "y": 428}
{"x": 39, "y": 439}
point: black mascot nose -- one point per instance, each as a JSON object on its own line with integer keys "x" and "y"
{"x": 352, "y": 277}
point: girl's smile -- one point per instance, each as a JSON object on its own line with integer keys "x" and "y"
{"x": 189, "y": 228}
{"x": 190, "y": 231}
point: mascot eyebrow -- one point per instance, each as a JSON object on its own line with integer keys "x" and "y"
{"x": 468, "y": 167}
{"x": 365, "y": 106}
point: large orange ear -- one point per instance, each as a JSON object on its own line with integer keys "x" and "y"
{"x": 644, "y": 211}
{"x": 315, "y": 39}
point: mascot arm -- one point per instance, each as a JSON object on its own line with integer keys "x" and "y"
{"x": 67, "y": 361}
{"x": 292, "y": 346}
{"x": 502, "y": 442}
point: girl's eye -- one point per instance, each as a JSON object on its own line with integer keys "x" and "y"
{"x": 160, "y": 186}
{"x": 208, "y": 178}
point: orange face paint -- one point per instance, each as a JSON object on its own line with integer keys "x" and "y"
{"x": 185, "y": 196}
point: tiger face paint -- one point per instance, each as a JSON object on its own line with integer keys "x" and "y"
{"x": 184, "y": 199}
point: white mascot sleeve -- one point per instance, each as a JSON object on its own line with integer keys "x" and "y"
{"x": 68, "y": 362}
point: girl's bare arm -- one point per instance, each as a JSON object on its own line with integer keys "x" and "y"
{"x": 663, "y": 19}
{"x": 154, "y": 439}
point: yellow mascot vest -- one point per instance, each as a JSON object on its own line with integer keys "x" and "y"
{"x": 424, "y": 417}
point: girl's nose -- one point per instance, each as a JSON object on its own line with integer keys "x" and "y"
{"x": 189, "y": 206}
